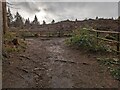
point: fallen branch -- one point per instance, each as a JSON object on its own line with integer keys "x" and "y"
{"x": 25, "y": 57}
{"x": 16, "y": 75}
{"x": 84, "y": 63}
{"x": 66, "y": 61}
{"x": 43, "y": 39}
{"x": 22, "y": 69}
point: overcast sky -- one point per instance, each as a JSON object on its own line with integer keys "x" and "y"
{"x": 65, "y": 10}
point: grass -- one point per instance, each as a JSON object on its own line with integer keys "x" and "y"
{"x": 9, "y": 47}
{"x": 84, "y": 39}
{"x": 115, "y": 72}
{"x": 113, "y": 65}
{"x": 109, "y": 61}
{"x": 26, "y": 34}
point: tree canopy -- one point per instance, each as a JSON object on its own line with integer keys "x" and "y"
{"x": 18, "y": 20}
{"x": 9, "y": 17}
{"x": 35, "y": 21}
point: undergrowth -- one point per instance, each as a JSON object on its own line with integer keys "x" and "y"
{"x": 9, "y": 47}
{"x": 85, "y": 40}
{"x": 113, "y": 65}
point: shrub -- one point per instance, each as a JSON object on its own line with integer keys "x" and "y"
{"x": 9, "y": 46}
{"x": 84, "y": 39}
{"x": 116, "y": 73}
{"x": 26, "y": 34}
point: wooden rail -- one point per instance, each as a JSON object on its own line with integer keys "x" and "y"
{"x": 104, "y": 39}
{"x": 110, "y": 32}
{"x": 47, "y": 33}
{"x": 58, "y": 33}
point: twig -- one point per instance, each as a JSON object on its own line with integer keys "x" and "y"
{"x": 22, "y": 69}
{"x": 25, "y": 57}
{"x": 84, "y": 63}
{"x": 65, "y": 61}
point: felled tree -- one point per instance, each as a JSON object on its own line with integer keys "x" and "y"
{"x": 9, "y": 17}
{"x": 18, "y": 20}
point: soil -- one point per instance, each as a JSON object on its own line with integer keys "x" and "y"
{"x": 50, "y": 63}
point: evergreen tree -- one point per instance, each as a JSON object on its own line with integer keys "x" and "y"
{"x": 112, "y": 18}
{"x": 18, "y": 20}
{"x": 27, "y": 22}
{"x": 53, "y": 21}
{"x": 76, "y": 20}
{"x": 44, "y": 22}
{"x": 9, "y": 17}
{"x": 119, "y": 18}
{"x": 35, "y": 21}
{"x": 96, "y": 18}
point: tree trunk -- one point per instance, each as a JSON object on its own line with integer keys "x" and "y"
{"x": 4, "y": 14}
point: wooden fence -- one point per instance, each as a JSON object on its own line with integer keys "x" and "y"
{"x": 115, "y": 42}
{"x": 69, "y": 33}
{"x": 59, "y": 33}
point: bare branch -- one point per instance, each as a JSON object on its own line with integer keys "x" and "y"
{"x": 11, "y": 3}
{"x": 12, "y": 7}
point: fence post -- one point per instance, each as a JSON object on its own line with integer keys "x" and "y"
{"x": 118, "y": 44}
{"x": 97, "y": 36}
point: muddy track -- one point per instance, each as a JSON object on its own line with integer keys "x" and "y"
{"x": 48, "y": 62}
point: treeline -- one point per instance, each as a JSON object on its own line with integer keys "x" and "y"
{"x": 18, "y": 21}
{"x": 98, "y": 23}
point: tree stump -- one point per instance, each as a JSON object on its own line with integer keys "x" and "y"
{"x": 15, "y": 42}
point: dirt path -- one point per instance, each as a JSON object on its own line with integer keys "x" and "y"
{"x": 50, "y": 63}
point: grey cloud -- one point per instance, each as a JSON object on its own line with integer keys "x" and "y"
{"x": 65, "y": 0}
{"x": 29, "y": 7}
{"x": 69, "y": 10}
{"x": 77, "y": 10}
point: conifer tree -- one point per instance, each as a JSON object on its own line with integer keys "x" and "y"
{"x": 44, "y": 22}
{"x": 35, "y": 21}
{"x": 9, "y": 17}
{"x": 27, "y": 22}
{"x": 18, "y": 20}
{"x": 53, "y": 21}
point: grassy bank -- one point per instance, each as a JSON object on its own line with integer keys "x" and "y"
{"x": 12, "y": 43}
{"x": 86, "y": 41}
